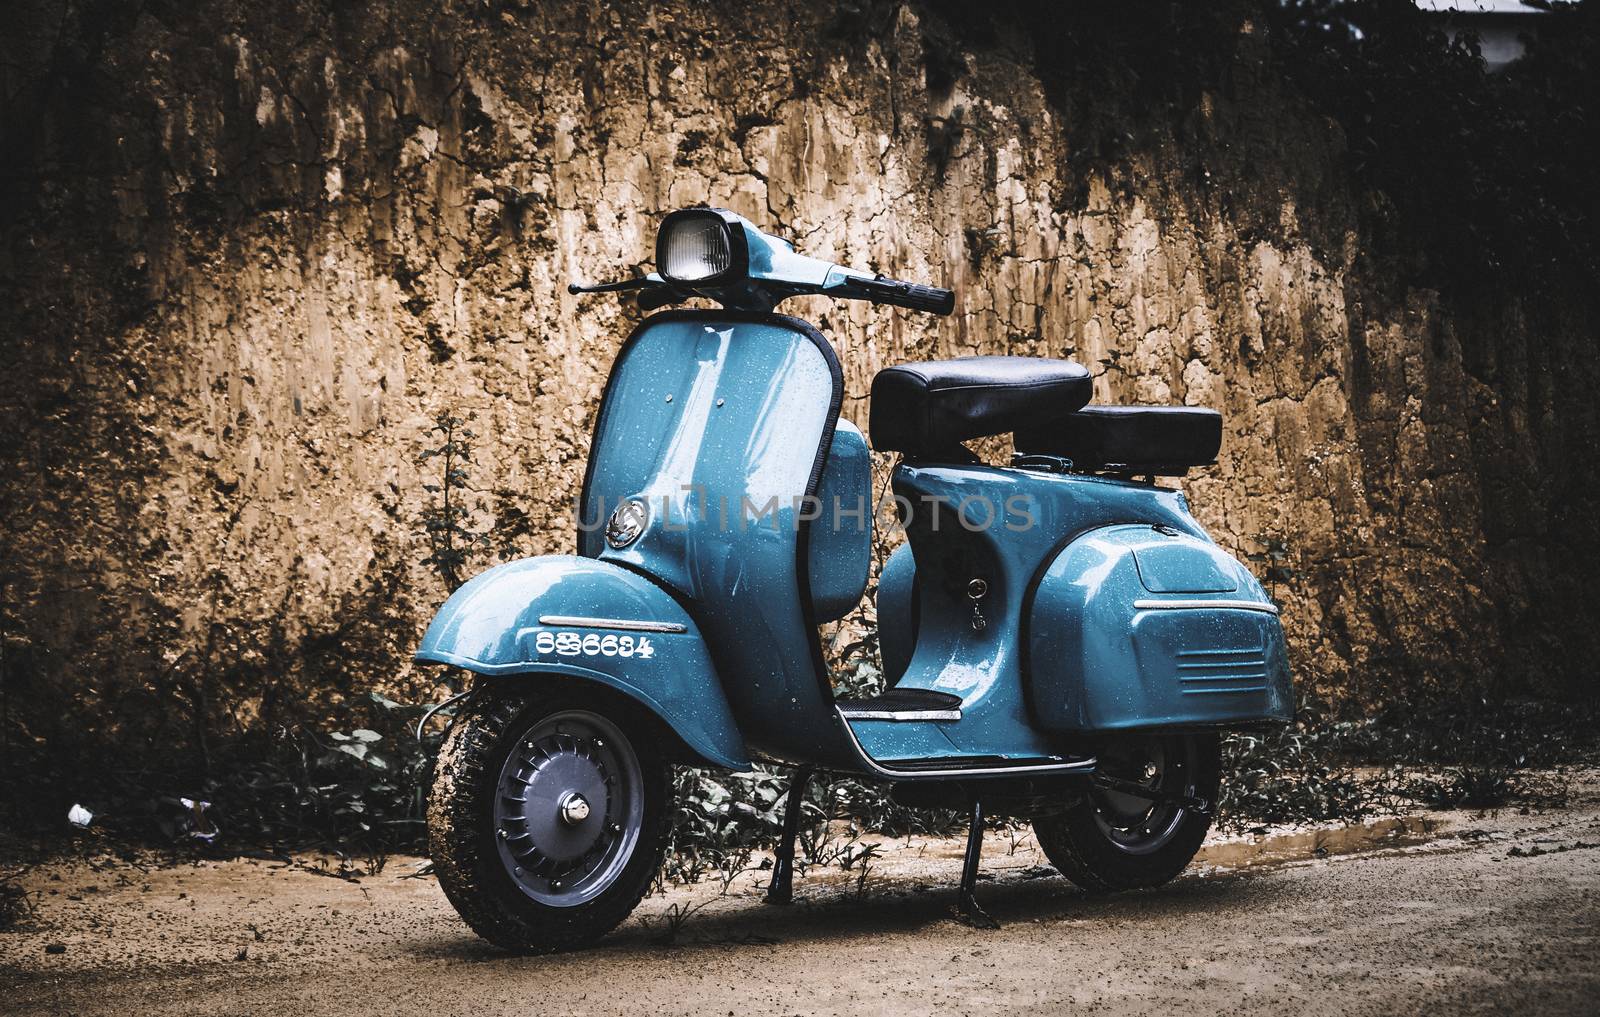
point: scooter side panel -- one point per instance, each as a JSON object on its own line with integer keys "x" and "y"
{"x": 548, "y": 616}
{"x": 998, "y": 526}
{"x": 1132, "y": 627}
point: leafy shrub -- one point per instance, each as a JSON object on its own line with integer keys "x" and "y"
{"x": 1452, "y": 754}
{"x": 359, "y": 792}
{"x": 1288, "y": 777}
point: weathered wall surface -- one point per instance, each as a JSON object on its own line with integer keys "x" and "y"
{"x": 250, "y": 254}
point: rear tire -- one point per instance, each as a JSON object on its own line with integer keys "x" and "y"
{"x": 547, "y": 819}
{"x": 1107, "y": 841}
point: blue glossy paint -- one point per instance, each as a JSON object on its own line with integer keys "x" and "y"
{"x": 897, "y": 624}
{"x": 1179, "y": 564}
{"x": 839, "y": 540}
{"x": 717, "y": 421}
{"x": 998, "y": 525}
{"x": 1100, "y": 664}
{"x": 954, "y": 538}
{"x": 491, "y": 626}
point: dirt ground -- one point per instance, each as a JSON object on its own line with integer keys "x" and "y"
{"x": 1451, "y": 913}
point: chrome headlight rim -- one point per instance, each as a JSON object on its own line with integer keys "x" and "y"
{"x": 733, "y": 234}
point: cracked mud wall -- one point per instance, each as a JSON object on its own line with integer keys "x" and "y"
{"x": 251, "y": 254}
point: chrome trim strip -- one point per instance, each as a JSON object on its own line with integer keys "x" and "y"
{"x": 1198, "y": 605}
{"x": 878, "y": 769}
{"x": 850, "y": 714}
{"x": 624, "y": 624}
{"x": 1239, "y": 677}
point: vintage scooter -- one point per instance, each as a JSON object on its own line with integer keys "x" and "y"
{"x": 1062, "y": 640}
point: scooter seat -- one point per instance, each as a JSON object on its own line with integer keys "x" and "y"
{"x": 1154, "y": 440}
{"x": 930, "y": 408}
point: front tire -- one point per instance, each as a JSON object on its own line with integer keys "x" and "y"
{"x": 547, "y": 819}
{"x": 1108, "y": 841}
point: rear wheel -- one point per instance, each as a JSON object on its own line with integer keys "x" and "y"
{"x": 547, "y": 820}
{"x": 1114, "y": 840}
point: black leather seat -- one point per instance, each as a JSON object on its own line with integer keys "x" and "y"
{"x": 930, "y": 408}
{"x": 1155, "y": 440}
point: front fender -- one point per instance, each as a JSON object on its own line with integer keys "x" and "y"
{"x": 549, "y": 616}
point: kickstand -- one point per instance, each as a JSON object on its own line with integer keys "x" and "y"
{"x": 967, "y": 910}
{"x": 780, "y": 889}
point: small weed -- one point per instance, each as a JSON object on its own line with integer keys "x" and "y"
{"x": 1016, "y": 835}
{"x": 735, "y": 864}
{"x": 1274, "y": 560}
{"x": 669, "y": 925}
{"x": 857, "y": 854}
{"x": 861, "y": 879}
{"x": 1480, "y": 786}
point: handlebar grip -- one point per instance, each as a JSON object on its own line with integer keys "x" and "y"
{"x": 659, "y": 296}
{"x": 912, "y": 296}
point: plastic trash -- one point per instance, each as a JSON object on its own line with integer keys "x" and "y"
{"x": 80, "y": 817}
{"x": 200, "y": 825}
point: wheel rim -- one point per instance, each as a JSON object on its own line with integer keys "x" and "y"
{"x": 568, "y": 808}
{"x": 1141, "y": 826}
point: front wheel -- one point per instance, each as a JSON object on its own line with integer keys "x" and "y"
{"x": 1110, "y": 840}
{"x": 547, "y": 819}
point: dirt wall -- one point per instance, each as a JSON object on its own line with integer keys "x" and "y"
{"x": 253, "y": 250}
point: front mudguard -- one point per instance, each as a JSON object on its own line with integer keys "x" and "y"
{"x": 550, "y": 615}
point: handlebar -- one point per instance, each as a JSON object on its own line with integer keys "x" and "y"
{"x": 653, "y": 292}
{"x": 912, "y": 296}
{"x": 753, "y": 270}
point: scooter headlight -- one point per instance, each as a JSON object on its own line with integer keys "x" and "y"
{"x": 700, "y": 246}
{"x": 627, "y": 522}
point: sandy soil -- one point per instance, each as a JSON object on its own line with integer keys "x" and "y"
{"x": 1456, "y": 913}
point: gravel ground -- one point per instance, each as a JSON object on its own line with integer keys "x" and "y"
{"x": 1455, "y": 913}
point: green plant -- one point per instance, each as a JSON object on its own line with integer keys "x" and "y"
{"x": 1475, "y": 754}
{"x": 451, "y": 542}
{"x": 721, "y": 819}
{"x": 1290, "y": 776}
{"x": 864, "y": 859}
{"x": 669, "y": 925}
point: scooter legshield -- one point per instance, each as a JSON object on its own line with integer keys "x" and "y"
{"x": 717, "y": 425}
{"x": 584, "y": 619}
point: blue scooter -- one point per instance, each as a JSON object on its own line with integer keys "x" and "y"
{"x": 1062, "y": 640}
